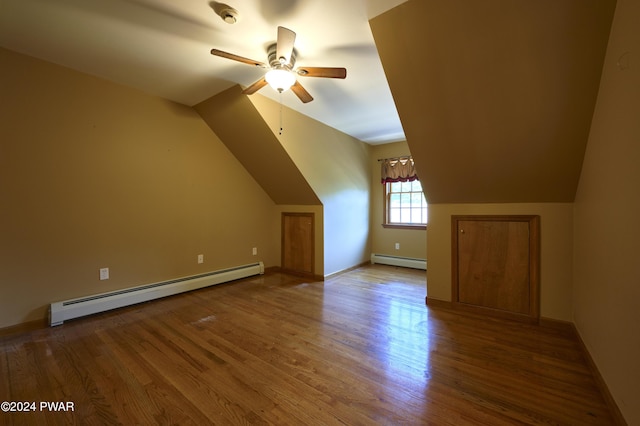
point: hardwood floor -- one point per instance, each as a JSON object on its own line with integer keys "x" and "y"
{"x": 360, "y": 348}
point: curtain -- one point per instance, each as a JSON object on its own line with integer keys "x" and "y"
{"x": 399, "y": 169}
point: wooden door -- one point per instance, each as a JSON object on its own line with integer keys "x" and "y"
{"x": 298, "y": 243}
{"x": 495, "y": 264}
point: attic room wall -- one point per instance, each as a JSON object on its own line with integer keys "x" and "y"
{"x": 93, "y": 174}
{"x": 556, "y": 227}
{"x": 413, "y": 242}
{"x": 337, "y": 167}
{"x": 495, "y": 97}
{"x": 233, "y": 117}
{"x": 607, "y": 208}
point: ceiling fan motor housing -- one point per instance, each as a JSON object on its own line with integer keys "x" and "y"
{"x": 274, "y": 61}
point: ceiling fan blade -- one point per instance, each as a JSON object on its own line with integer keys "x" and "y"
{"x": 284, "y": 45}
{"x": 255, "y": 87}
{"x": 322, "y": 72}
{"x": 301, "y": 93}
{"x": 233, "y": 57}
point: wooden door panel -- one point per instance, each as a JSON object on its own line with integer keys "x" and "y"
{"x": 495, "y": 261}
{"x": 297, "y": 242}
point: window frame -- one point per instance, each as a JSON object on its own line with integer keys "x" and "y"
{"x": 385, "y": 212}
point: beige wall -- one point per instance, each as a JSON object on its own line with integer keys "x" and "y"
{"x": 95, "y": 175}
{"x": 336, "y": 166}
{"x": 556, "y": 226}
{"x": 607, "y": 208}
{"x": 413, "y": 242}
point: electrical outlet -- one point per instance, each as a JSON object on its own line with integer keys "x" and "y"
{"x": 255, "y": 251}
{"x": 397, "y": 246}
{"x": 104, "y": 274}
{"x": 201, "y": 258}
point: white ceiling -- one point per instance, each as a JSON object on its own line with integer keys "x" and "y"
{"x": 162, "y": 47}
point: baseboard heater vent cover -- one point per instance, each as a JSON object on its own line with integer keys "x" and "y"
{"x": 59, "y": 312}
{"x": 405, "y": 262}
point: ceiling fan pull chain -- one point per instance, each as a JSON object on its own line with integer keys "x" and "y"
{"x": 280, "y": 133}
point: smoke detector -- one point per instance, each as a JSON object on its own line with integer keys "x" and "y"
{"x": 229, "y": 15}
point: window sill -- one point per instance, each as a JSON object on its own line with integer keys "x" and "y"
{"x": 400, "y": 226}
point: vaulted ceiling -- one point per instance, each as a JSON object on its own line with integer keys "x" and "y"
{"x": 495, "y": 96}
{"x": 233, "y": 117}
{"x": 163, "y": 48}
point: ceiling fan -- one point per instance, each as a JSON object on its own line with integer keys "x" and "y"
{"x": 282, "y": 74}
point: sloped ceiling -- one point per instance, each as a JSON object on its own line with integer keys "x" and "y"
{"x": 235, "y": 120}
{"x": 495, "y": 96}
{"x": 163, "y": 48}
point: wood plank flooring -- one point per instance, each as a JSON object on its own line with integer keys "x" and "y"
{"x": 358, "y": 349}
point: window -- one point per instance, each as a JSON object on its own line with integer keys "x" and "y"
{"x": 405, "y": 205}
{"x": 404, "y": 202}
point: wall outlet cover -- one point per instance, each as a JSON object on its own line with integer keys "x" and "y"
{"x": 104, "y": 274}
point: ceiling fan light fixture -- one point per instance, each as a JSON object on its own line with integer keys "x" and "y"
{"x": 280, "y": 79}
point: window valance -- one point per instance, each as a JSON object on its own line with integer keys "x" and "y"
{"x": 399, "y": 169}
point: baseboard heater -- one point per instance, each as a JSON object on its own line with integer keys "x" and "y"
{"x": 405, "y": 262}
{"x": 59, "y": 312}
